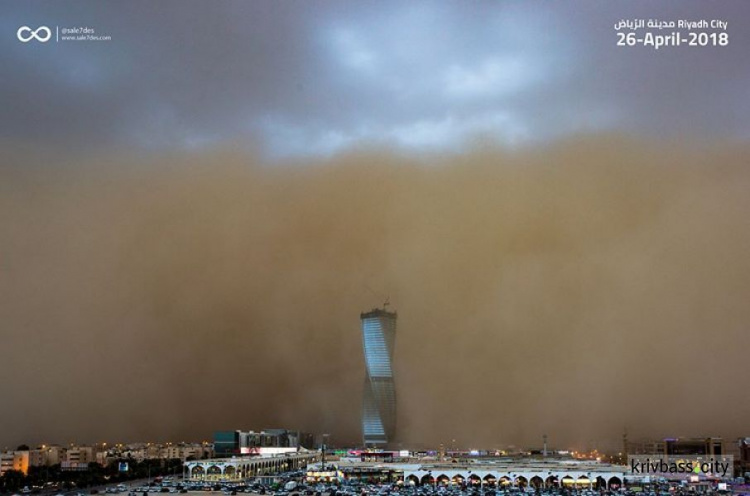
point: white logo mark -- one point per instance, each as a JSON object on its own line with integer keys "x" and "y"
{"x": 46, "y": 34}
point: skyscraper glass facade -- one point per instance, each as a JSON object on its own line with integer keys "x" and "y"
{"x": 379, "y": 398}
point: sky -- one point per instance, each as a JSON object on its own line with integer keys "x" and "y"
{"x": 194, "y": 212}
{"x": 290, "y": 79}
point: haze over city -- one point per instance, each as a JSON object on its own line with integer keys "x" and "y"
{"x": 194, "y": 214}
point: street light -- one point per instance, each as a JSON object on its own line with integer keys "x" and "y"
{"x": 323, "y": 452}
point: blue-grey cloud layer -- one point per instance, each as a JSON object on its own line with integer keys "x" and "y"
{"x": 294, "y": 78}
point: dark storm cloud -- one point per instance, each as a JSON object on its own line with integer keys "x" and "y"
{"x": 301, "y": 78}
{"x": 574, "y": 291}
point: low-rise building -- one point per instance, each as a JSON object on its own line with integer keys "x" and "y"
{"x": 80, "y": 455}
{"x": 14, "y": 460}
{"x": 676, "y": 446}
{"x": 46, "y": 455}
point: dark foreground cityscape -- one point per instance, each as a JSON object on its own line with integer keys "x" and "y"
{"x": 281, "y": 463}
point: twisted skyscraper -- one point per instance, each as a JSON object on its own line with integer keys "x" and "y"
{"x": 379, "y": 399}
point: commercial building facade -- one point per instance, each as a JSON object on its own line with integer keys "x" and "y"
{"x": 490, "y": 474}
{"x": 744, "y": 458}
{"x": 241, "y": 468}
{"x": 233, "y": 443}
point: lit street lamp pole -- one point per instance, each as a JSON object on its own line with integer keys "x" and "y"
{"x": 323, "y": 452}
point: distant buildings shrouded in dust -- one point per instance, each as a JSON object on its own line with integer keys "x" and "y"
{"x": 379, "y": 398}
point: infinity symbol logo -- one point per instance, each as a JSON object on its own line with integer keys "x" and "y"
{"x": 46, "y": 34}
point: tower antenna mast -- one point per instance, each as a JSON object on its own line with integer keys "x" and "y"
{"x": 379, "y": 296}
